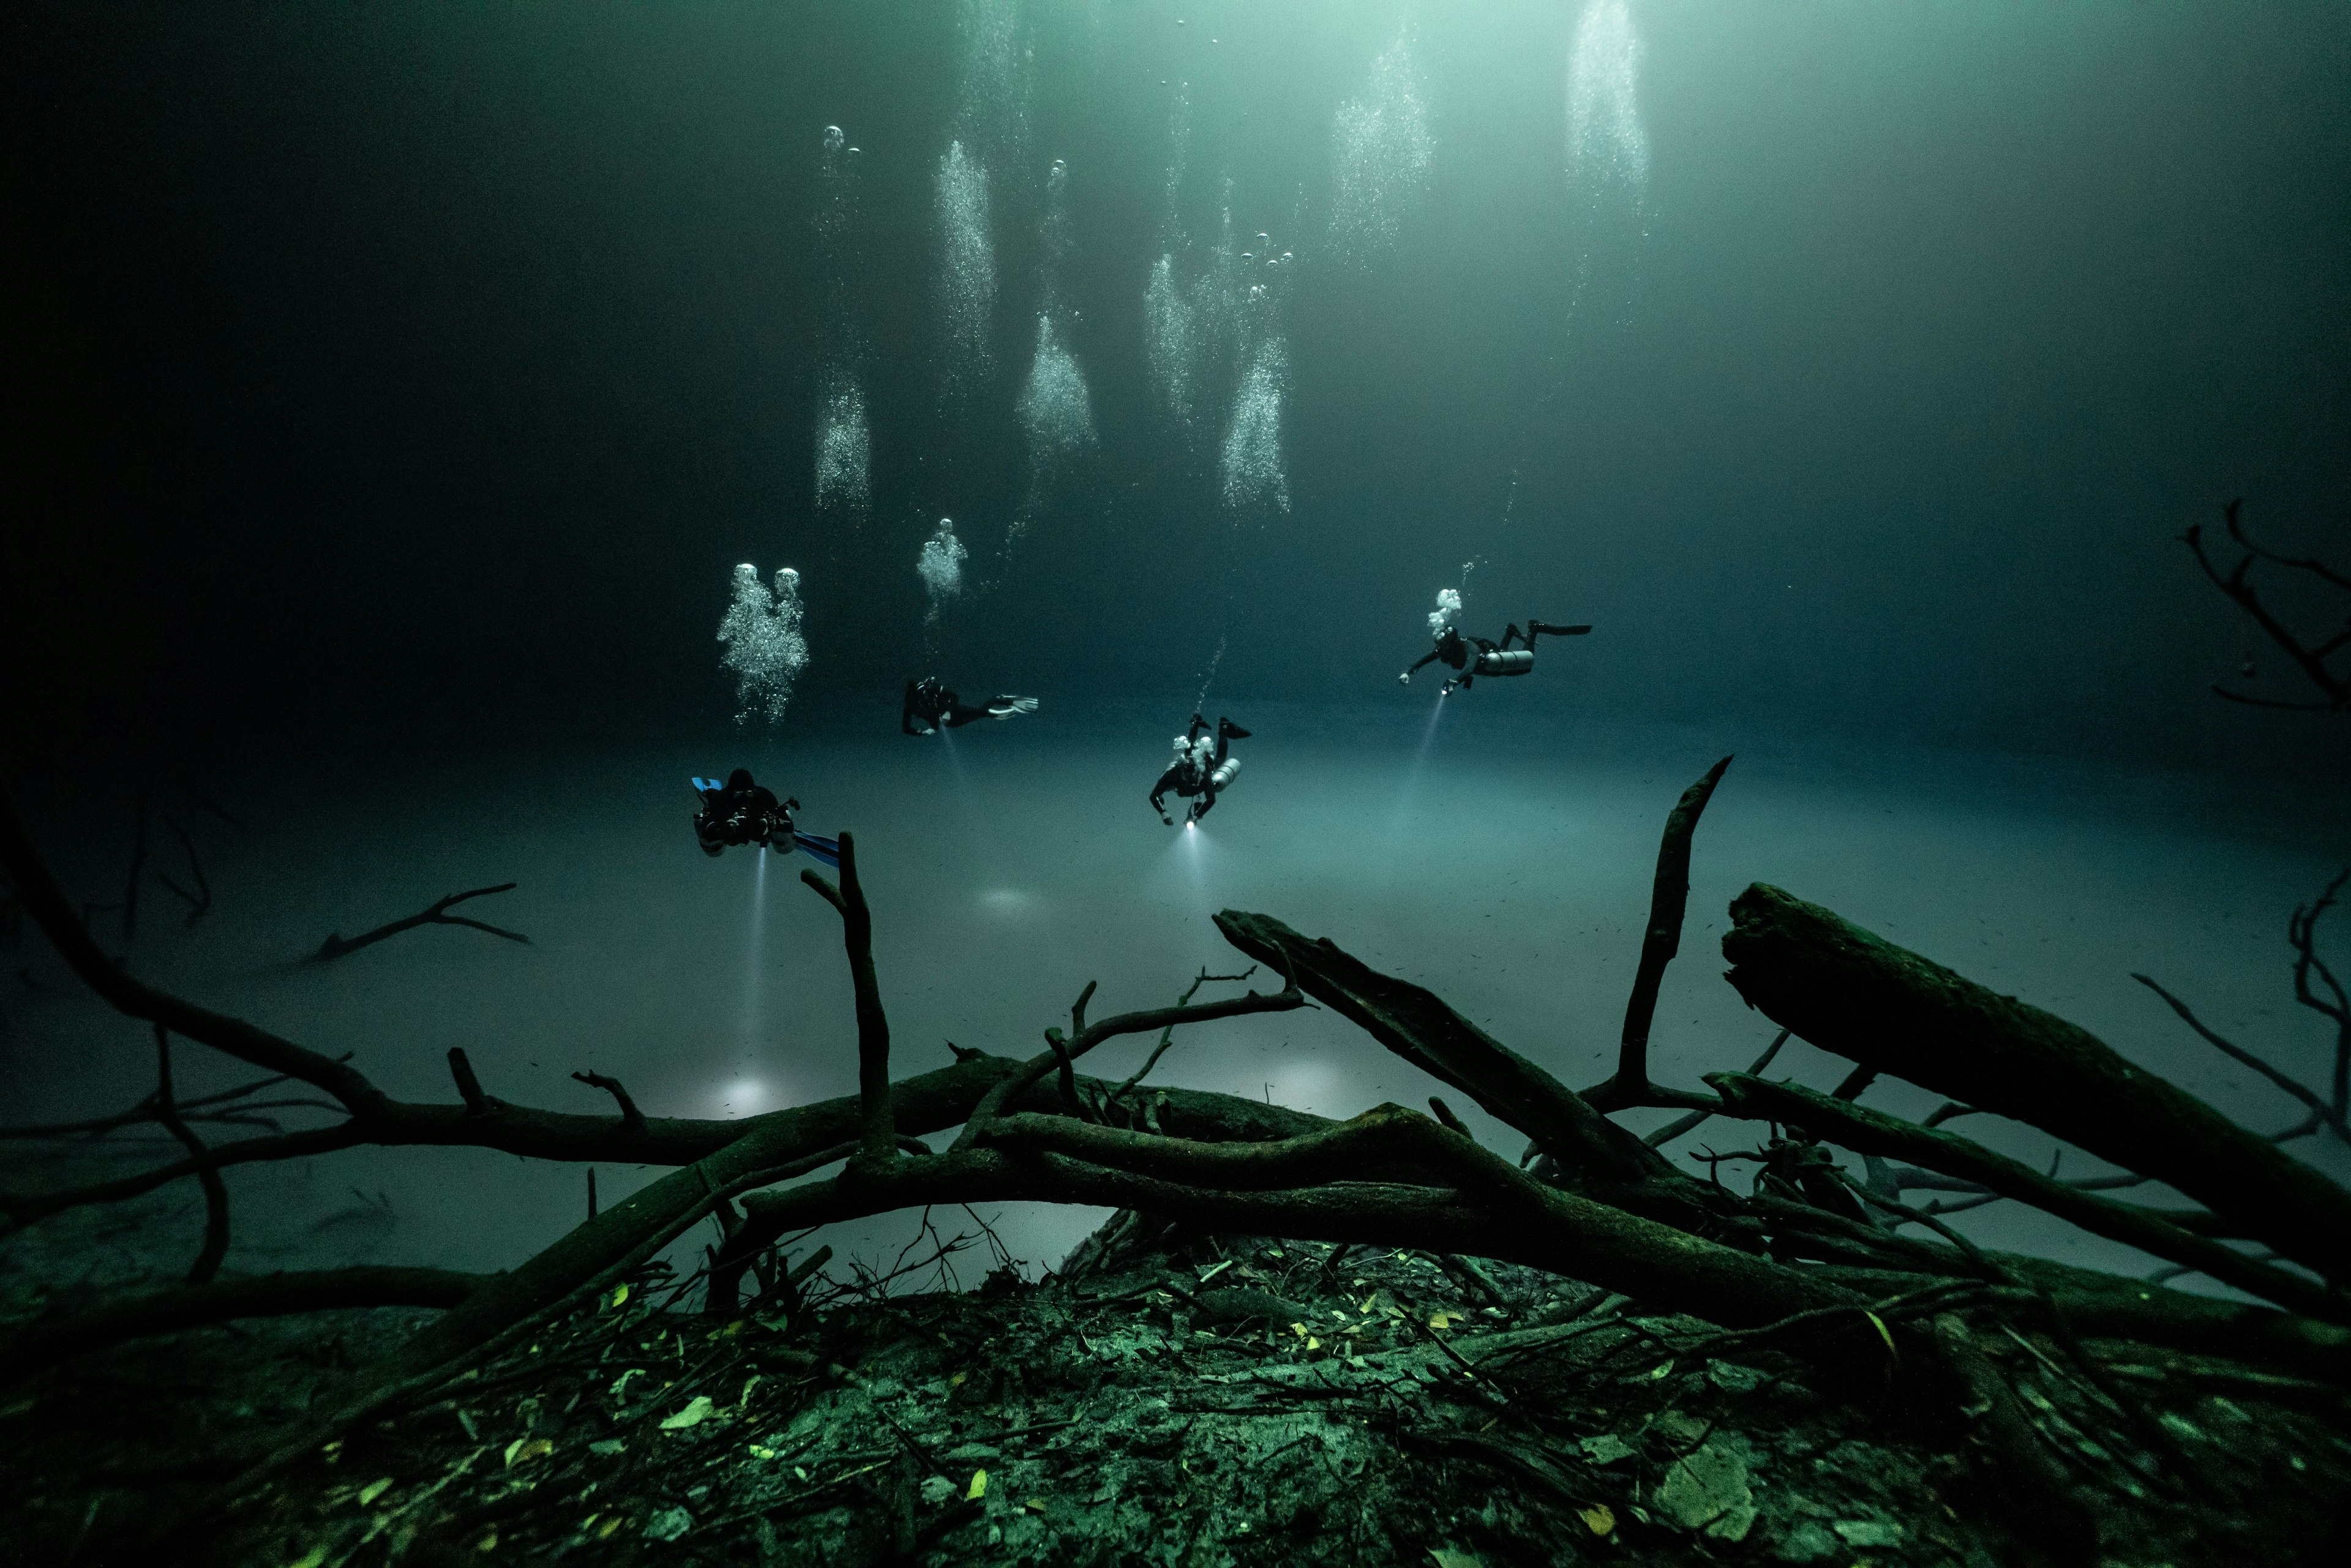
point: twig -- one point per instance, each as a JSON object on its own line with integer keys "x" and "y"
{"x": 630, "y": 1116}
{"x": 2329, "y": 1114}
{"x": 1691, "y": 1121}
{"x": 335, "y": 945}
{"x": 1168, "y": 1035}
{"x": 200, "y": 901}
{"x": 2310, "y": 659}
{"x": 216, "y": 1247}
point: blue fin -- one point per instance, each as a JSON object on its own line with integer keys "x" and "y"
{"x": 826, "y": 850}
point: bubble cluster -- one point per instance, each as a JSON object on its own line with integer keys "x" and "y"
{"x": 993, "y": 80}
{"x": 766, "y": 650}
{"x": 1448, "y": 605}
{"x": 940, "y": 566}
{"x": 1381, "y": 150}
{"x": 1171, "y": 340}
{"x": 1251, "y": 462}
{"x": 1056, "y": 413}
{"x": 843, "y": 446}
{"x": 1607, "y": 147}
{"x": 966, "y": 263}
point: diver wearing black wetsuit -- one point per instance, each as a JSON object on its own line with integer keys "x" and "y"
{"x": 742, "y": 812}
{"x": 1199, "y": 773}
{"x": 1473, "y": 656}
{"x": 931, "y": 700}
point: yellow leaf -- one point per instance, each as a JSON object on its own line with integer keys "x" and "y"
{"x": 611, "y": 1525}
{"x": 488, "y": 1543}
{"x": 744, "y": 1403}
{"x": 333, "y": 1451}
{"x": 1298, "y": 1329}
{"x": 1313, "y": 1343}
{"x": 619, "y": 1295}
{"x": 693, "y": 1414}
{"x": 1882, "y": 1332}
{"x": 310, "y": 1559}
{"x": 373, "y": 1490}
{"x": 1444, "y": 1320}
{"x": 521, "y": 1450}
{"x": 957, "y": 1380}
{"x": 1035, "y": 1505}
{"x": 586, "y": 1522}
{"x": 978, "y": 1488}
{"x": 1598, "y": 1518}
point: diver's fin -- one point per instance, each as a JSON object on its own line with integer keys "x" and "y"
{"x": 826, "y": 850}
{"x": 1230, "y": 730}
{"x": 1011, "y": 707}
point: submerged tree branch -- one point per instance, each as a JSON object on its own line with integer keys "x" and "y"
{"x": 436, "y": 914}
{"x": 1660, "y": 940}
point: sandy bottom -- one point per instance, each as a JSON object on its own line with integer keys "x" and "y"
{"x": 1505, "y": 867}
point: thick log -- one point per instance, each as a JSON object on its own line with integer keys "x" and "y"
{"x": 1861, "y": 997}
{"x": 1594, "y": 1153}
{"x": 1874, "y": 1133}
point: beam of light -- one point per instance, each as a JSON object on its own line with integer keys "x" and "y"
{"x": 744, "y": 1097}
{"x": 755, "y": 961}
{"x": 1408, "y": 791}
{"x": 1190, "y": 850}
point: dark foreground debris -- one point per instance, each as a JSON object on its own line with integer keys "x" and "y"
{"x": 1188, "y": 1400}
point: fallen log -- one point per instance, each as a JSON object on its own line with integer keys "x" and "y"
{"x": 1854, "y": 993}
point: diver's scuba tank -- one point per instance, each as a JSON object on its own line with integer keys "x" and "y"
{"x": 1226, "y": 772}
{"x": 1517, "y": 661}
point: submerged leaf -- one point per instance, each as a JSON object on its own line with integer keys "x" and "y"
{"x": 693, "y": 1414}
{"x": 978, "y": 1486}
{"x": 1598, "y": 1518}
{"x": 374, "y": 1489}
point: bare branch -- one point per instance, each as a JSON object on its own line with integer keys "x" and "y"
{"x": 1660, "y": 940}
{"x": 1694, "y": 1119}
{"x": 1168, "y": 1035}
{"x": 437, "y": 914}
{"x": 216, "y": 1247}
{"x": 1873, "y": 1132}
{"x": 2318, "y": 1107}
{"x": 873, "y": 1024}
{"x": 2311, "y": 661}
{"x": 631, "y": 1117}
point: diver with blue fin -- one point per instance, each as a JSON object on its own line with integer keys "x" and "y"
{"x": 1470, "y": 657}
{"x": 932, "y": 704}
{"x": 741, "y": 812}
{"x": 1201, "y": 771}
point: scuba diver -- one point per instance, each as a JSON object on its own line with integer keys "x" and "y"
{"x": 931, "y": 700}
{"x": 1473, "y": 656}
{"x": 740, "y": 811}
{"x": 1199, "y": 770}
